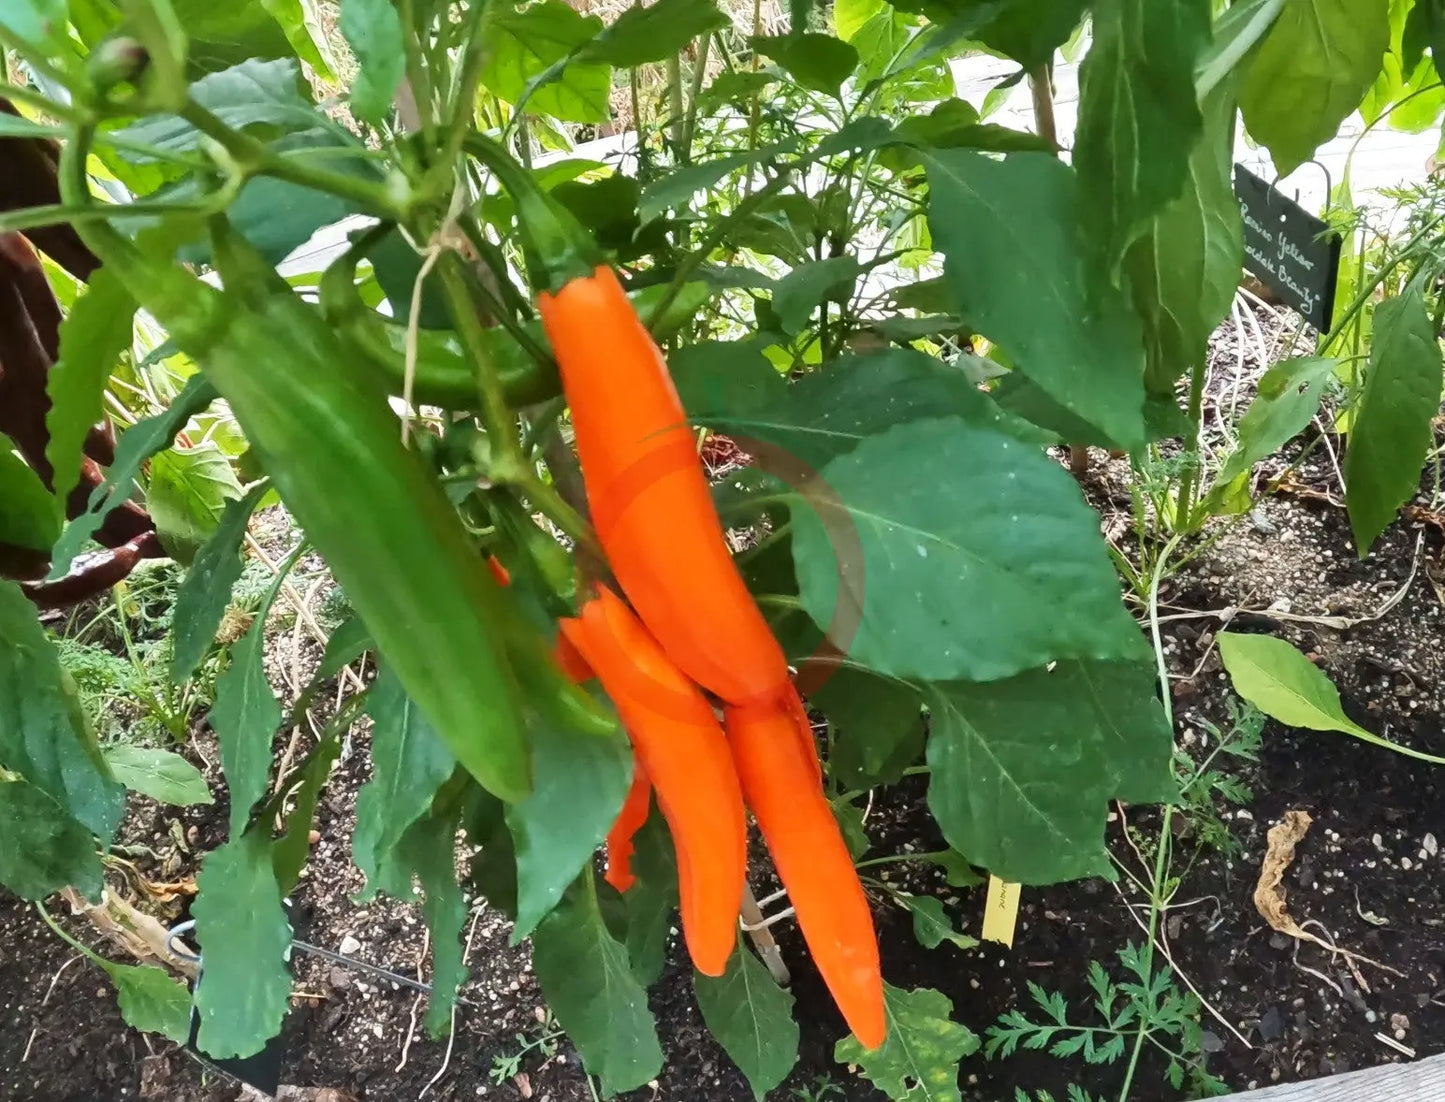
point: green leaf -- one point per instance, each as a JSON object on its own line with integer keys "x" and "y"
{"x": 877, "y": 726}
{"x": 289, "y": 852}
{"x": 579, "y": 782}
{"x": 849, "y": 16}
{"x": 722, "y": 380}
{"x": 1237, "y": 31}
{"x": 205, "y": 592}
{"x": 1391, "y": 433}
{"x": 1425, "y": 29}
{"x": 957, "y": 872}
{"x": 245, "y": 717}
{"x": 92, "y": 337}
{"x": 524, "y": 43}
{"x": 1287, "y": 397}
{"x": 225, "y": 34}
{"x": 828, "y": 413}
{"x": 373, "y": 30}
{"x": 252, "y": 93}
{"x": 584, "y": 975}
{"x": 676, "y": 189}
{"x": 1015, "y": 256}
{"x": 160, "y": 774}
{"x": 800, "y": 292}
{"x": 818, "y": 62}
{"x": 1138, "y": 116}
{"x": 1184, "y": 269}
{"x": 752, "y": 1018}
{"x": 150, "y": 1000}
{"x": 990, "y": 566}
{"x": 292, "y": 17}
{"x": 348, "y": 643}
{"x": 640, "y": 35}
{"x": 43, "y": 733}
{"x": 652, "y": 900}
{"x": 397, "y": 265}
{"x": 242, "y": 930}
{"x": 30, "y": 516}
{"x": 37, "y": 21}
{"x": 45, "y": 848}
{"x": 1024, "y": 769}
{"x": 186, "y": 496}
{"x": 409, "y": 763}
{"x": 493, "y": 869}
{"x": 1029, "y": 31}
{"x": 931, "y": 925}
{"x": 429, "y": 849}
{"x": 137, "y": 444}
{"x": 919, "y": 1060}
{"x": 1284, "y": 684}
{"x": 1310, "y": 73}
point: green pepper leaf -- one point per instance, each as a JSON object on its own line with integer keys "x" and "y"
{"x": 203, "y": 596}
{"x": 162, "y": 775}
{"x": 93, "y": 336}
{"x": 579, "y": 782}
{"x": 372, "y": 28}
{"x": 187, "y": 495}
{"x": 918, "y": 1061}
{"x": 45, "y": 848}
{"x": 429, "y": 849}
{"x": 640, "y": 35}
{"x": 651, "y": 901}
{"x": 409, "y": 764}
{"x": 931, "y": 925}
{"x": 150, "y": 1000}
{"x": 242, "y": 930}
{"x": 584, "y": 974}
{"x": 752, "y": 1018}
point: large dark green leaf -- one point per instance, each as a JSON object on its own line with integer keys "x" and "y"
{"x": 222, "y": 35}
{"x": 1011, "y": 233}
{"x": 752, "y": 1018}
{"x": 249, "y": 94}
{"x": 409, "y": 762}
{"x": 1138, "y": 116}
{"x": 1310, "y": 72}
{"x": 43, "y": 733}
{"x": 42, "y": 847}
{"x": 1184, "y": 269}
{"x": 30, "y": 516}
{"x": 877, "y": 726}
{"x": 243, "y": 932}
{"x": 162, "y": 775}
{"x": 828, "y": 413}
{"x": 92, "y": 337}
{"x": 800, "y": 292}
{"x": 653, "y": 33}
{"x": 1024, "y": 769}
{"x": 584, "y": 974}
{"x": 918, "y": 1062}
{"x": 1391, "y": 432}
{"x": 137, "y": 444}
{"x": 245, "y": 717}
{"x": 1029, "y": 31}
{"x": 722, "y": 380}
{"x": 203, "y": 596}
{"x": 150, "y": 1000}
{"x": 372, "y": 29}
{"x": 818, "y": 62}
{"x": 975, "y": 558}
{"x": 579, "y": 782}
{"x": 524, "y": 43}
{"x": 187, "y": 495}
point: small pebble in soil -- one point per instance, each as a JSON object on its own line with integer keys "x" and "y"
{"x": 1429, "y": 845}
{"x": 1406, "y": 864}
{"x": 1399, "y": 1023}
{"x": 1370, "y": 1016}
{"x": 348, "y": 946}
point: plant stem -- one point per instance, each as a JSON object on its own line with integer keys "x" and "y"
{"x": 699, "y": 74}
{"x": 1189, "y": 478}
{"x": 676, "y": 120}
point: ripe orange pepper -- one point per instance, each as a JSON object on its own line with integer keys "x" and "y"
{"x": 649, "y": 497}
{"x": 629, "y": 821}
{"x": 682, "y": 749}
{"x": 781, "y": 786}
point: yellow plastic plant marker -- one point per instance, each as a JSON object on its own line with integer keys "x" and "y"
{"x": 1001, "y": 911}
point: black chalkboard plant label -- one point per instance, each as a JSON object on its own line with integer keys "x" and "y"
{"x": 1290, "y": 251}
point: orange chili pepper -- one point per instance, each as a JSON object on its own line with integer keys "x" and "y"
{"x": 682, "y": 749}
{"x": 781, "y": 786}
{"x": 629, "y": 821}
{"x": 649, "y": 498}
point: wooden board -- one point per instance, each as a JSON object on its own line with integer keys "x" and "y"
{"x": 1423, "y": 1080}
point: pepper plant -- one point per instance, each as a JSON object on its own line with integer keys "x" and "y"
{"x": 822, "y": 236}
